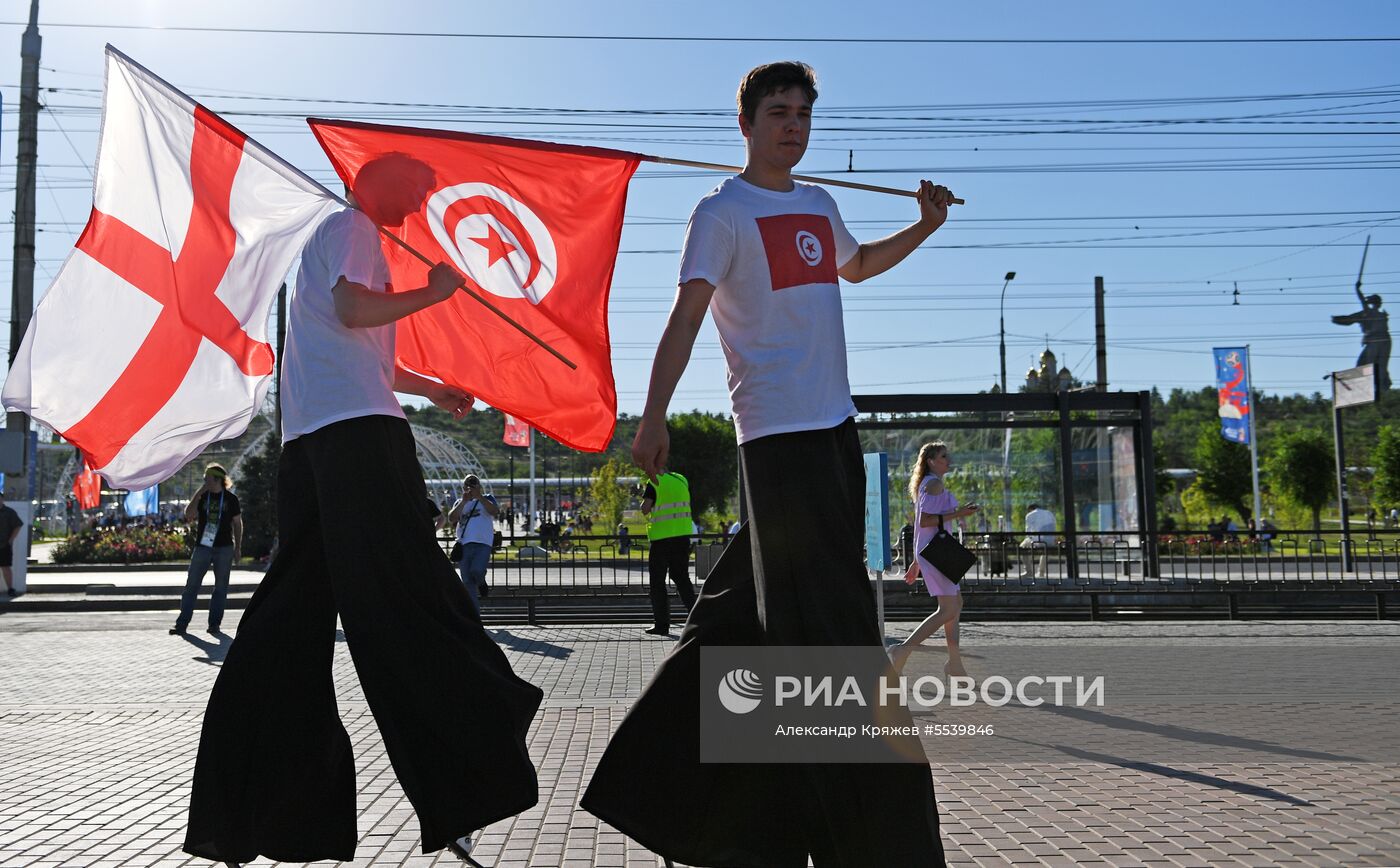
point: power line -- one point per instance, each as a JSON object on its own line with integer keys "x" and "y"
{"x": 803, "y": 40}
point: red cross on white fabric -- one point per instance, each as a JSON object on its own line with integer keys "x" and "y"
{"x": 184, "y": 287}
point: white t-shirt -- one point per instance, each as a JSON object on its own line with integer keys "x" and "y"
{"x": 1039, "y": 524}
{"x": 329, "y": 372}
{"x": 772, "y": 258}
{"x": 474, "y": 523}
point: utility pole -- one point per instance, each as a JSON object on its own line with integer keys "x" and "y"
{"x": 1101, "y": 383}
{"x": 1103, "y": 457}
{"x": 22, "y": 282}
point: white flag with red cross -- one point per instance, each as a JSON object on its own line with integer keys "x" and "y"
{"x": 151, "y": 343}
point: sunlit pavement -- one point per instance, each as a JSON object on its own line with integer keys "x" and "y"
{"x": 100, "y": 716}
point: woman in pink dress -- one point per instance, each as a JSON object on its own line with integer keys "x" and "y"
{"x": 932, "y": 501}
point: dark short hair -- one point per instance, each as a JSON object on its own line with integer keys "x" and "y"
{"x": 770, "y": 78}
{"x": 471, "y": 479}
{"x": 1035, "y": 506}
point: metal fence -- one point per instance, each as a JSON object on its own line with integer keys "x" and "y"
{"x": 583, "y": 565}
{"x": 1284, "y": 558}
{"x": 604, "y": 566}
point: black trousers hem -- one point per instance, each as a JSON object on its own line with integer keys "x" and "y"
{"x": 793, "y": 575}
{"x": 275, "y": 772}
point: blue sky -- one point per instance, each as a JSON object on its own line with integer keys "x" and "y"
{"x": 973, "y": 116}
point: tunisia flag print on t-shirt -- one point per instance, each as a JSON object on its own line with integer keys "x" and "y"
{"x": 800, "y": 248}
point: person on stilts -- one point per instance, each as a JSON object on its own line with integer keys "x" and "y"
{"x": 764, "y": 255}
{"x": 275, "y": 775}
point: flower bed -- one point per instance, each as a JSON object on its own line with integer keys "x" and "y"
{"x": 1169, "y": 544}
{"x": 127, "y": 545}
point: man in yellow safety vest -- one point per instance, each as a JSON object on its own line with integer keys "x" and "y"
{"x": 667, "y": 507}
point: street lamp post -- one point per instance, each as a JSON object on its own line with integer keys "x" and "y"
{"x": 1006, "y": 434}
{"x": 1010, "y": 276}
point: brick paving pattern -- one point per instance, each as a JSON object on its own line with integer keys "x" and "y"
{"x": 100, "y": 715}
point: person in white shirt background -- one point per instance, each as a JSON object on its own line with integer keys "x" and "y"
{"x": 474, "y": 516}
{"x": 1040, "y": 530}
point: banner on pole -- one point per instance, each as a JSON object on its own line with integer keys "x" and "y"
{"x": 877, "y": 510}
{"x": 145, "y": 501}
{"x": 87, "y": 488}
{"x": 517, "y": 432}
{"x": 1232, "y": 378}
{"x": 1354, "y": 386}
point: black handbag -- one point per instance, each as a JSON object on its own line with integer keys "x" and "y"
{"x": 947, "y": 555}
{"x": 455, "y": 556}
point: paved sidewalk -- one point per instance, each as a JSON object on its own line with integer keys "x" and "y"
{"x": 100, "y": 714}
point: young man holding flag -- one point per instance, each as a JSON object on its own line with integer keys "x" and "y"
{"x": 764, "y": 254}
{"x": 275, "y": 774}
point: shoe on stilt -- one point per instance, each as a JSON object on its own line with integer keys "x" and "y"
{"x": 462, "y": 849}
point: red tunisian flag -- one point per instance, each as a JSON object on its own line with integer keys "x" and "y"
{"x": 151, "y": 343}
{"x": 534, "y": 227}
{"x": 517, "y": 432}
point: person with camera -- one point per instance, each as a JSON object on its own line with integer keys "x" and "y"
{"x": 474, "y": 516}
{"x": 217, "y": 518}
{"x": 935, "y": 506}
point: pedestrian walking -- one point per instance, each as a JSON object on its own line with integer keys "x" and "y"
{"x": 624, "y": 540}
{"x": 1035, "y": 547}
{"x": 764, "y": 254}
{"x": 10, "y": 526}
{"x": 275, "y": 776}
{"x": 934, "y": 508}
{"x": 666, "y": 503}
{"x": 217, "y": 517}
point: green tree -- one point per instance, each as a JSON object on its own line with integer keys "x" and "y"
{"x": 703, "y": 450}
{"x": 1385, "y": 458}
{"x": 257, "y": 496}
{"x": 1222, "y": 470}
{"x": 608, "y": 498}
{"x": 1035, "y": 475}
{"x": 1300, "y": 469}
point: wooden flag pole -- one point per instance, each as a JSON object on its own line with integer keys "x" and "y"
{"x": 854, "y": 185}
{"x": 428, "y": 262}
{"x": 474, "y": 294}
{"x": 669, "y": 161}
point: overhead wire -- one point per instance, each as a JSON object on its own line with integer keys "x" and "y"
{"x": 787, "y": 38}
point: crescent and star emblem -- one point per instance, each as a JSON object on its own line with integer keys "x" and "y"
{"x": 495, "y": 240}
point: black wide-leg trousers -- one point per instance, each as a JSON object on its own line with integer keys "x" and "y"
{"x": 793, "y": 575}
{"x": 275, "y": 776}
